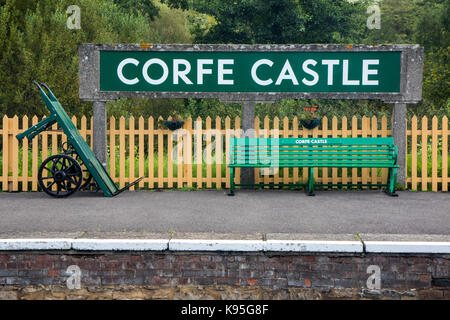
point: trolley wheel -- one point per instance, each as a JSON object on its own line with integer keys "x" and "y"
{"x": 87, "y": 177}
{"x": 64, "y": 176}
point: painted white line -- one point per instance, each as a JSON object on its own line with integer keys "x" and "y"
{"x": 35, "y": 244}
{"x": 215, "y": 245}
{"x": 313, "y": 246}
{"x": 120, "y": 244}
{"x": 224, "y": 245}
{"x": 407, "y": 247}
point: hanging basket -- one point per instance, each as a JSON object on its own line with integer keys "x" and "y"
{"x": 174, "y": 125}
{"x": 310, "y": 124}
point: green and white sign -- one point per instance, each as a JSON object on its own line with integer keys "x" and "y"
{"x": 250, "y": 71}
{"x": 390, "y": 73}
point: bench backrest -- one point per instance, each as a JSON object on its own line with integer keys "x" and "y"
{"x": 77, "y": 141}
{"x": 317, "y": 152}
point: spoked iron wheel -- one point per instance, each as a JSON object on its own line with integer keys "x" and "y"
{"x": 60, "y": 176}
{"x": 87, "y": 177}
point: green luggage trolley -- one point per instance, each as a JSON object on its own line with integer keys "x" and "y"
{"x": 75, "y": 169}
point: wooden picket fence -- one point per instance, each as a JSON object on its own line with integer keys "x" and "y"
{"x": 196, "y": 155}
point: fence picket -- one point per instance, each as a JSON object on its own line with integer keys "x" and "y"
{"x": 414, "y": 153}
{"x": 170, "y": 158}
{"x": 151, "y": 153}
{"x": 266, "y": 171}
{"x": 5, "y": 153}
{"x": 35, "y": 158}
{"x": 208, "y": 153}
{"x": 374, "y": 134}
{"x": 257, "y": 171}
{"x": 445, "y": 180}
{"x": 325, "y": 135}
{"x": 141, "y": 150}
{"x": 25, "y": 178}
{"x": 131, "y": 158}
{"x": 424, "y": 153}
{"x": 334, "y": 134}
{"x": 295, "y": 135}
{"x": 344, "y": 134}
{"x": 384, "y": 133}
{"x": 188, "y": 152}
{"x": 355, "y": 135}
{"x": 276, "y": 134}
{"x": 122, "y": 152}
{"x": 305, "y": 174}
{"x": 160, "y": 156}
{"x": 180, "y": 161}
{"x": 15, "y": 154}
{"x": 237, "y": 130}
{"x": 44, "y": 136}
{"x": 112, "y": 148}
{"x": 198, "y": 152}
{"x": 227, "y": 149}
{"x": 219, "y": 152}
{"x": 434, "y": 154}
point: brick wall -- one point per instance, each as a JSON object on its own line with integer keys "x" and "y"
{"x": 169, "y": 275}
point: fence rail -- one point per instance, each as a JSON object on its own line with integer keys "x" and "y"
{"x": 196, "y": 155}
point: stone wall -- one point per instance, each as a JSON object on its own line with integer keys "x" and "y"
{"x": 222, "y": 275}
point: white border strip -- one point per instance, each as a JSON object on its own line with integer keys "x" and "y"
{"x": 313, "y": 246}
{"x": 216, "y": 245}
{"x": 120, "y": 244}
{"x": 35, "y": 244}
{"x": 407, "y": 247}
{"x": 224, "y": 245}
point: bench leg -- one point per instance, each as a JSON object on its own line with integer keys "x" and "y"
{"x": 392, "y": 182}
{"x": 231, "y": 192}
{"x": 311, "y": 182}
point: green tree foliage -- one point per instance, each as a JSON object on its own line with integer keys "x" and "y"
{"x": 433, "y": 32}
{"x": 35, "y": 44}
{"x": 280, "y": 21}
{"x": 425, "y": 22}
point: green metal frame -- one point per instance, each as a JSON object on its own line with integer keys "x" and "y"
{"x": 314, "y": 153}
{"x": 57, "y": 114}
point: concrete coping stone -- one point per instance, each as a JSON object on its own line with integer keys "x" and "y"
{"x": 407, "y": 247}
{"x": 220, "y": 245}
{"x": 120, "y": 244}
{"x": 35, "y": 244}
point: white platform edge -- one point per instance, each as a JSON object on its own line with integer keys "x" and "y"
{"x": 35, "y": 244}
{"x": 224, "y": 245}
{"x": 120, "y": 244}
{"x": 216, "y": 245}
{"x": 407, "y": 247}
{"x": 313, "y": 246}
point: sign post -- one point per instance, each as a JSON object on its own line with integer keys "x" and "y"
{"x": 99, "y": 132}
{"x": 251, "y": 73}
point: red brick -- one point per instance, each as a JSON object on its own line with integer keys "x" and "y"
{"x": 308, "y": 283}
{"x": 431, "y": 294}
{"x": 447, "y": 294}
{"x": 53, "y": 273}
{"x": 425, "y": 277}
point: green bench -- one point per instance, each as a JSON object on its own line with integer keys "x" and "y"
{"x": 314, "y": 153}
